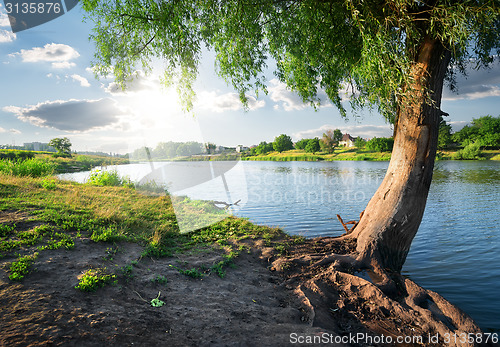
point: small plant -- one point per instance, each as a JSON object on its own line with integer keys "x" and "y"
{"x": 21, "y": 267}
{"x": 6, "y": 229}
{"x": 107, "y": 234}
{"x": 156, "y": 250}
{"x": 60, "y": 240}
{"x": 127, "y": 271}
{"x": 110, "y": 253}
{"x": 219, "y": 268}
{"x": 160, "y": 279}
{"x": 108, "y": 178}
{"x": 156, "y": 302}
{"x": 194, "y": 272}
{"x": 93, "y": 279}
{"x": 49, "y": 184}
{"x": 282, "y": 248}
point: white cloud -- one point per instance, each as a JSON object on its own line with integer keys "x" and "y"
{"x": 139, "y": 83}
{"x": 6, "y": 36}
{"x": 289, "y": 100}
{"x": 63, "y": 65}
{"x": 59, "y": 54}
{"x": 82, "y": 80}
{"x": 14, "y": 131}
{"x": 4, "y": 19}
{"x": 226, "y": 102}
{"x": 70, "y": 115}
{"x": 364, "y": 131}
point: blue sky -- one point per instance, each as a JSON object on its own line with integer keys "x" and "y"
{"x": 48, "y": 90}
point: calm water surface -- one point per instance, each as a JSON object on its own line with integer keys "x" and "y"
{"x": 456, "y": 250}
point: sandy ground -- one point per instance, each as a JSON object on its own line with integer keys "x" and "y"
{"x": 255, "y": 304}
{"x": 245, "y": 308}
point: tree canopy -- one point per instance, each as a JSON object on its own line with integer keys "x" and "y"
{"x": 282, "y": 143}
{"x": 62, "y": 145}
{"x": 313, "y": 146}
{"x": 330, "y": 139}
{"x": 484, "y": 130}
{"x": 362, "y": 49}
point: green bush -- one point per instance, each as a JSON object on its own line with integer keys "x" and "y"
{"x": 312, "y": 146}
{"x": 470, "y": 152}
{"x": 380, "y": 144}
{"x": 108, "y": 178}
{"x": 28, "y": 167}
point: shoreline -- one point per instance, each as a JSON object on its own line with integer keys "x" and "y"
{"x": 219, "y": 284}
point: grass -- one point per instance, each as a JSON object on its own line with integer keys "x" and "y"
{"x": 29, "y": 167}
{"x": 193, "y": 273}
{"x": 108, "y": 178}
{"x": 55, "y": 217}
{"x": 220, "y": 267}
{"x": 93, "y": 279}
{"x": 21, "y": 267}
{"x": 80, "y": 162}
{"x": 160, "y": 279}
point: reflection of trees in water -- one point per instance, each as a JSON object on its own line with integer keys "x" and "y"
{"x": 468, "y": 172}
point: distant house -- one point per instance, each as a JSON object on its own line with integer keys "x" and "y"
{"x": 347, "y": 141}
{"x": 241, "y": 148}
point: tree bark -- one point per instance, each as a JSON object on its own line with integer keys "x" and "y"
{"x": 393, "y": 215}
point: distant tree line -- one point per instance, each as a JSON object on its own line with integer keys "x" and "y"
{"x": 168, "y": 150}
{"x": 483, "y": 132}
{"x": 326, "y": 144}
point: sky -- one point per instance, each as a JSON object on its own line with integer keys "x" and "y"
{"x": 48, "y": 90}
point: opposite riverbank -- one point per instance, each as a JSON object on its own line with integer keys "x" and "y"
{"x": 92, "y": 265}
{"x": 356, "y": 155}
{"x": 352, "y": 154}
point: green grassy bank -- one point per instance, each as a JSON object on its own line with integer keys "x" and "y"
{"x": 42, "y": 214}
{"x": 76, "y": 163}
{"x": 339, "y": 154}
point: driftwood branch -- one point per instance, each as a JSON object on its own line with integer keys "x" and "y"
{"x": 225, "y": 204}
{"x": 355, "y": 223}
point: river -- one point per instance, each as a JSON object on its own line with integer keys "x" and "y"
{"x": 456, "y": 250}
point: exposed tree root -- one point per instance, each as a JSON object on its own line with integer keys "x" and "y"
{"x": 338, "y": 286}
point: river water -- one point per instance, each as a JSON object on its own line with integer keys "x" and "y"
{"x": 456, "y": 250}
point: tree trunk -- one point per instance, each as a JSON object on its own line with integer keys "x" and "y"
{"x": 393, "y": 215}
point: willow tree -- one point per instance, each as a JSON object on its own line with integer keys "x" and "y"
{"x": 392, "y": 56}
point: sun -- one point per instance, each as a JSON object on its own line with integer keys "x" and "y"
{"x": 157, "y": 116}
